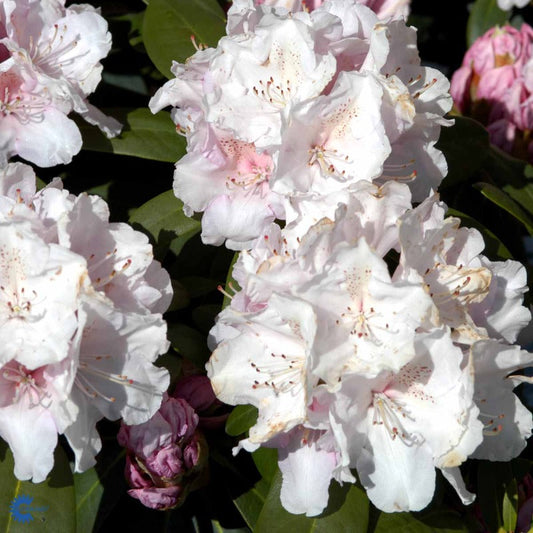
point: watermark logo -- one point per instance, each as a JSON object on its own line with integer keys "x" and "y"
{"x": 21, "y": 509}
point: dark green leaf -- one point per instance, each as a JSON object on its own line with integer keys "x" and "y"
{"x": 217, "y": 528}
{"x": 484, "y": 15}
{"x": 189, "y": 342}
{"x": 348, "y": 507}
{"x": 503, "y": 200}
{"x": 180, "y": 297}
{"x": 510, "y": 506}
{"x": 251, "y": 502}
{"x": 492, "y": 481}
{"x": 163, "y": 219}
{"x": 169, "y": 25}
{"x": 144, "y": 135}
{"x": 431, "y": 522}
{"x": 204, "y": 316}
{"x": 89, "y": 492}
{"x": 241, "y": 419}
{"x": 266, "y": 461}
{"x": 465, "y": 146}
{"x": 198, "y": 286}
{"x": 53, "y": 499}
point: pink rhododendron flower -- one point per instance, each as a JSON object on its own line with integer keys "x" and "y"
{"x": 494, "y": 85}
{"x": 166, "y": 455}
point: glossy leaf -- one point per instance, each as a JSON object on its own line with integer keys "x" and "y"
{"x": 514, "y": 176}
{"x": 250, "y": 503}
{"x": 348, "y": 506}
{"x": 170, "y": 24}
{"x": 493, "y": 481}
{"x": 241, "y": 419}
{"x": 189, "y": 343}
{"x": 484, "y": 15}
{"x": 88, "y": 490}
{"x": 204, "y": 316}
{"x": 218, "y": 528}
{"x": 503, "y": 200}
{"x": 430, "y": 522}
{"x": 144, "y": 135}
{"x": 266, "y": 461}
{"x": 53, "y": 499}
{"x": 465, "y": 145}
{"x": 163, "y": 219}
{"x": 510, "y": 506}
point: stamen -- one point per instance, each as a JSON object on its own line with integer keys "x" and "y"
{"x": 284, "y": 373}
{"x": 389, "y": 414}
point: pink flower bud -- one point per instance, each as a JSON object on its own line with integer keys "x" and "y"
{"x": 166, "y": 455}
{"x": 196, "y": 390}
{"x": 158, "y": 498}
{"x": 494, "y": 86}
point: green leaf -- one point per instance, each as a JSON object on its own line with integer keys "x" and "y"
{"x": 89, "y": 492}
{"x": 144, "y": 135}
{"x": 429, "y": 522}
{"x": 484, "y": 15}
{"x": 198, "y": 286}
{"x": 169, "y": 25}
{"x": 180, "y": 297}
{"x": 503, "y": 200}
{"x": 465, "y": 145}
{"x": 266, "y": 461}
{"x": 250, "y": 503}
{"x": 217, "y": 528}
{"x": 241, "y": 419}
{"x": 189, "y": 343}
{"x": 348, "y": 506}
{"x": 163, "y": 219}
{"x": 53, "y": 499}
{"x": 494, "y": 247}
{"x": 494, "y": 480}
{"x": 204, "y": 316}
{"x": 510, "y": 506}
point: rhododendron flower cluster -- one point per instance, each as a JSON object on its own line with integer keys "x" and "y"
{"x": 297, "y": 106}
{"x": 373, "y": 336}
{"x": 495, "y": 86}
{"x": 49, "y": 64}
{"x": 81, "y": 303}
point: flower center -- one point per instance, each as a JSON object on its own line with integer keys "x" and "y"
{"x": 282, "y": 373}
{"x": 392, "y": 416}
{"x": 27, "y": 385}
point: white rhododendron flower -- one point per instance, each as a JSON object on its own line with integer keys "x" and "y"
{"x": 477, "y": 297}
{"x": 49, "y": 63}
{"x": 508, "y": 4}
{"x": 396, "y": 358}
{"x": 62, "y": 262}
{"x": 301, "y": 101}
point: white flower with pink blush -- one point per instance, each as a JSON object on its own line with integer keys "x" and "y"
{"x": 50, "y": 64}
{"x": 476, "y": 297}
{"x": 61, "y": 261}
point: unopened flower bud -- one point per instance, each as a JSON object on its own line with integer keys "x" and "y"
{"x": 166, "y": 455}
